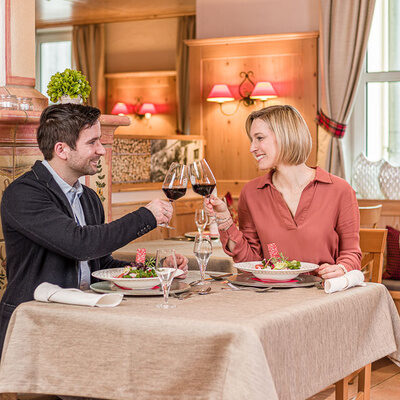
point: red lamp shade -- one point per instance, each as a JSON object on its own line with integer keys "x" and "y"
{"x": 263, "y": 91}
{"x": 220, "y": 94}
{"x": 147, "y": 109}
{"x": 120, "y": 109}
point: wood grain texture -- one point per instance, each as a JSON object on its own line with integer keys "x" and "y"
{"x": 182, "y": 220}
{"x": 76, "y": 12}
{"x": 390, "y": 214}
{"x": 156, "y": 87}
{"x": 289, "y": 64}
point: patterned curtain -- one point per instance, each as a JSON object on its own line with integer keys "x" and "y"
{"x": 344, "y": 28}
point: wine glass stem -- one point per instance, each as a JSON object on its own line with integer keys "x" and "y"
{"x": 202, "y": 272}
{"x": 165, "y": 292}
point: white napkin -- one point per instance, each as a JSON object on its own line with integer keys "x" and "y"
{"x": 352, "y": 278}
{"x": 48, "y": 292}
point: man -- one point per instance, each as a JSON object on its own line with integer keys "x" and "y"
{"x": 53, "y": 226}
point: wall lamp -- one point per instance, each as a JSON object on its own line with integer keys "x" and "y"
{"x": 139, "y": 110}
{"x": 249, "y": 92}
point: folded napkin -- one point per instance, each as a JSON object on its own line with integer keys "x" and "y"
{"x": 48, "y": 292}
{"x": 352, "y": 278}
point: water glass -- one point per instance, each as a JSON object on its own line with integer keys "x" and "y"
{"x": 200, "y": 217}
{"x": 202, "y": 249}
{"x": 166, "y": 268}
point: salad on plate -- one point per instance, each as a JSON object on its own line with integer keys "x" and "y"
{"x": 278, "y": 263}
{"x": 139, "y": 269}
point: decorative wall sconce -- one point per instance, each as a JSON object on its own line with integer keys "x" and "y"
{"x": 120, "y": 109}
{"x": 146, "y": 110}
{"x": 139, "y": 110}
{"x": 263, "y": 91}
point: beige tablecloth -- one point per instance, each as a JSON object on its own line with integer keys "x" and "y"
{"x": 287, "y": 344}
{"x": 219, "y": 261}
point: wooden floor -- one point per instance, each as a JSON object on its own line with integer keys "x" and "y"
{"x": 385, "y": 383}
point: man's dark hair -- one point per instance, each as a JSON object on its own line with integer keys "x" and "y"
{"x": 63, "y": 123}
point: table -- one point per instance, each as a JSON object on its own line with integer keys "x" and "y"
{"x": 219, "y": 261}
{"x": 287, "y": 344}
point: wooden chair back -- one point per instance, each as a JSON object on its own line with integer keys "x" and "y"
{"x": 369, "y": 216}
{"x": 373, "y": 244}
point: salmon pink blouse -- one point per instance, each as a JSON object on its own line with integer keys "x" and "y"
{"x": 325, "y": 228}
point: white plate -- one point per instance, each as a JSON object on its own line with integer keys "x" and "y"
{"x": 108, "y": 287}
{"x": 130, "y": 283}
{"x": 275, "y": 274}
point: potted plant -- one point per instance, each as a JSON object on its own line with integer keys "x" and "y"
{"x": 70, "y": 86}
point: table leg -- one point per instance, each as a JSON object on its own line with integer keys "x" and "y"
{"x": 364, "y": 385}
{"x": 364, "y": 382}
{"x": 342, "y": 389}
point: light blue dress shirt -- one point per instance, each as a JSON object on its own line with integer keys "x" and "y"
{"x": 73, "y": 194}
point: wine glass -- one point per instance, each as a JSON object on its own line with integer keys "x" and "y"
{"x": 165, "y": 268}
{"x": 202, "y": 249}
{"x": 200, "y": 217}
{"x": 175, "y": 184}
{"x": 202, "y": 178}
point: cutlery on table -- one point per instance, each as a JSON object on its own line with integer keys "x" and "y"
{"x": 211, "y": 278}
{"x": 204, "y": 291}
{"x": 249, "y": 288}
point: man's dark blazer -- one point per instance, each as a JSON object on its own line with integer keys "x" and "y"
{"x": 45, "y": 244}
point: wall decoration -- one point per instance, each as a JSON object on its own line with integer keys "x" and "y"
{"x": 148, "y": 160}
{"x": 100, "y": 182}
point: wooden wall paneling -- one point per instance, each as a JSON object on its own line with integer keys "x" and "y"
{"x": 390, "y": 214}
{"x": 158, "y": 87}
{"x": 290, "y": 63}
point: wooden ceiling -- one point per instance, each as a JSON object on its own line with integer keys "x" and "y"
{"x": 52, "y": 13}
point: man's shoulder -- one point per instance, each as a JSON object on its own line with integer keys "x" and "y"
{"x": 27, "y": 179}
{"x": 88, "y": 191}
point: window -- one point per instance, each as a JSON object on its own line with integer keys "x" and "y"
{"x": 375, "y": 123}
{"x": 53, "y": 54}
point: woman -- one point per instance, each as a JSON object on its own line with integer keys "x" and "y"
{"x": 310, "y": 214}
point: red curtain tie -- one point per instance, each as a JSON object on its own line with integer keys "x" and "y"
{"x": 336, "y": 128}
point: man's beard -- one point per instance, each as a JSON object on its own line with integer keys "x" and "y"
{"x": 85, "y": 169}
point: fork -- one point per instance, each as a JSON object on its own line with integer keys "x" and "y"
{"x": 259, "y": 290}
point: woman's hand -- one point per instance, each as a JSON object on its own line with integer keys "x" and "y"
{"x": 328, "y": 271}
{"x": 218, "y": 208}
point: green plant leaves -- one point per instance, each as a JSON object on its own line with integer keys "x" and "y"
{"x": 68, "y": 83}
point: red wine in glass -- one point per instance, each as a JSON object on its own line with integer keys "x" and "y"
{"x": 175, "y": 184}
{"x": 202, "y": 178}
{"x": 203, "y": 189}
{"x": 174, "y": 193}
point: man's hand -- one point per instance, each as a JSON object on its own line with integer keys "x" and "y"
{"x": 181, "y": 263}
{"x": 162, "y": 210}
{"x": 328, "y": 271}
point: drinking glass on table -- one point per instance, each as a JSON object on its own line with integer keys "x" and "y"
{"x": 202, "y": 249}
{"x": 201, "y": 219}
{"x": 175, "y": 184}
{"x": 202, "y": 178}
{"x": 166, "y": 268}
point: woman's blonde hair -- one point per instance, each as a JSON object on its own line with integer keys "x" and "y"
{"x": 291, "y": 131}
